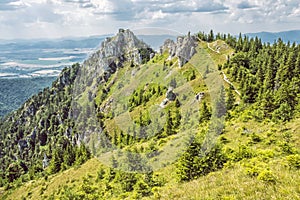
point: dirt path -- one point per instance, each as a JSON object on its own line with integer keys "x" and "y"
{"x": 228, "y": 81}
{"x": 212, "y": 49}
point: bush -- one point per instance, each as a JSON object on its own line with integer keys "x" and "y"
{"x": 293, "y": 161}
{"x": 254, "y": 167}
{"x": 195, "y": 163}
{"x": 286, "y": 147}
{"x": 266, "y": 154}
{"x": 267, "y": 176}
{"x": 255, "y": 138}
{"x": 242, "y": 153}
{"x": 142, "y": 188}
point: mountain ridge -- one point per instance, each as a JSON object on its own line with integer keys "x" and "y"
{"x": 286, "y": 36}
{"x": 110, "y": 108}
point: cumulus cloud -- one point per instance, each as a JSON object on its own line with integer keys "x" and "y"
{"x": 245, "y": 5}
{"x": 6, "y": 5}
{"x": 269, "y": 12}
{"x": 71, "y": 17}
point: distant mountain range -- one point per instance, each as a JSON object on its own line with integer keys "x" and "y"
{"x": 292, "y": 36}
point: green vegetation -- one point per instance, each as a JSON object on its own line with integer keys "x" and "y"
{"x": 15, "y": 91}
{"x": 148, "y": 112}
{"x": 45, "y": 136}
{"x": 267, "y": 76}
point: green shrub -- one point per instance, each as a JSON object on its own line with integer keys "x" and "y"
{"x": 293, "y": 161}
{"x": 254, "y": 167}
{"x": 255, "y": 138}
{"x": 266, "y": 154}
{"x": 267, "y": 176}
{"x": 195, "y": 162}
{"x": 242, "y": 153}
{"x": 286, "y": 147}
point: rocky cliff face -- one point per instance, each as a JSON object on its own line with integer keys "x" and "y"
{"x": 114, "y": 51}
{"x": 183, "y": 49}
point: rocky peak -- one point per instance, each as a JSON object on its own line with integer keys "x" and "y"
{"x": 183, "y": 48}
{"x": 123, "y": 43}
{"x": 114, "y": 51}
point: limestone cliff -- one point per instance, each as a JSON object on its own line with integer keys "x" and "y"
{"x": 114, "y": 51}
{"x": 183, "y": 49}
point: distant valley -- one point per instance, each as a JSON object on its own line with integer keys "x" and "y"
{"x": 35, "y": 58}
{"x": 28, "y": 66}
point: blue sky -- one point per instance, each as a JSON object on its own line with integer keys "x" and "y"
{"x": 61, "y": 18}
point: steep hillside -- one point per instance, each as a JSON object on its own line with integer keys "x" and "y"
{"x": 12, "y": 95}
{"x": 49, "y": 126}
{"x": 188, "y": 122}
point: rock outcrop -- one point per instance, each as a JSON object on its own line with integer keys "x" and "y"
{"x": 114, "y": 51}
{"x": 183, "y": 49}
{"x": 170, "y": 95}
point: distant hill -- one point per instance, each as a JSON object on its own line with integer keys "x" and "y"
{"x": 66, "y": 43}
{"x": 292, "y": 36}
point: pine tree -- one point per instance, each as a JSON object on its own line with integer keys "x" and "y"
{"x": 195, "y": 162}
{"x": 177, "y": 103}
{"x": 270, "y": 75}
{"x": 283, "y": 113}
{"x": 168, "y": 129}
{"x": 220, "y": 103}
{"x": 211, "y": 36}
{"x": 82, "y": 154}
{"x": 114, "y": 138}
{"x": 267, "y": 103}
{"x": 230, "y": 98}
{"x": 55, "y": 163}
{"x": 205, "y": 113}
{"x": 177, "y": 118}
{"x": 69, "y": 156}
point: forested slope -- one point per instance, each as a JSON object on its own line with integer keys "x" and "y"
{"x": 207, "y": 117}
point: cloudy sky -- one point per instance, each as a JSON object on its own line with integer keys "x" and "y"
{"x": 61, "y": 18}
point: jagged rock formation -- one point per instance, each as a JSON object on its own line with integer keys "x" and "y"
{"x": 113, "y": 54}
{"x": 114, "y": 51}
{"x": 183, "y": 49}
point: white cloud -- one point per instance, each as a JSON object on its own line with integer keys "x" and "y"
{"x": 7, "y": 5}
{"x": 56, "y": 18}
{"x": 158, "y": 15}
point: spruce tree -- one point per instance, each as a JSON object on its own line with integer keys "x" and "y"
{"x": 230, "y": 98}
{"x": 168, "y": 129}
{"x": 55, "y": 163}
{"x": 220, "y": 103}
{"x": 205, "y": 113}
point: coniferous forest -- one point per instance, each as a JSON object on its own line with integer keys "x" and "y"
{"x": 49, "y": 149}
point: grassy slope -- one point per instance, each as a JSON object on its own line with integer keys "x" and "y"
{"x": 41, "y": 188}
{"x": 234, "y": 181}
{"x": 264, "y": 140}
